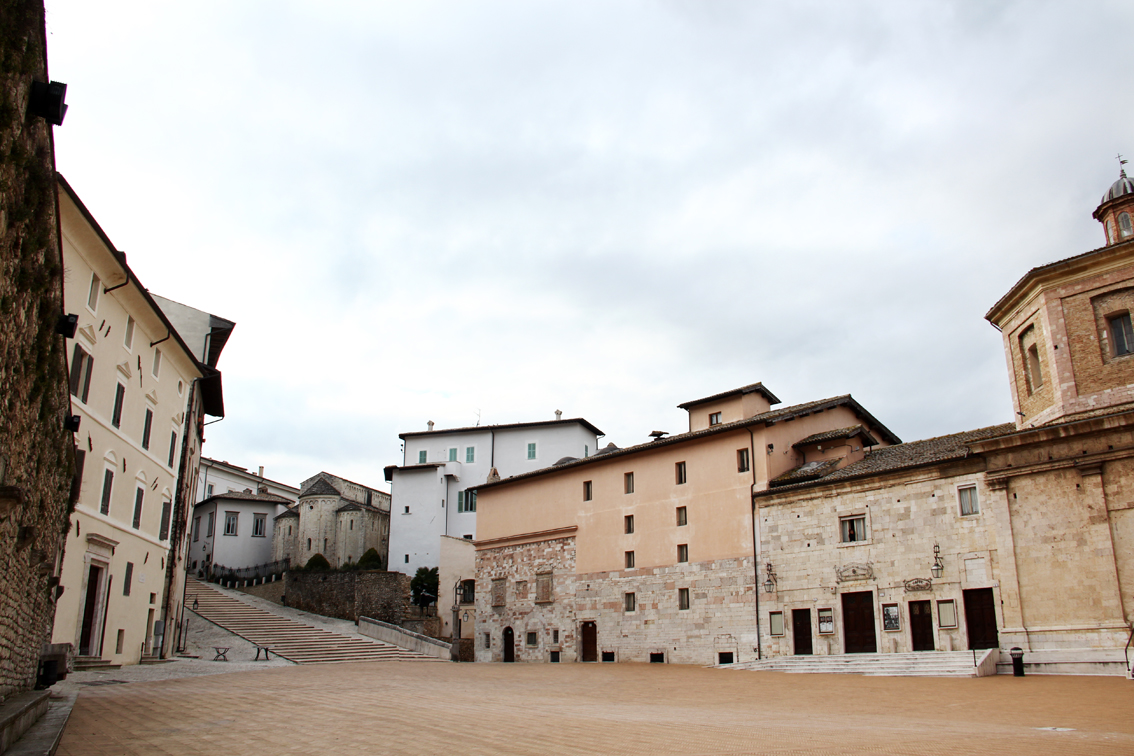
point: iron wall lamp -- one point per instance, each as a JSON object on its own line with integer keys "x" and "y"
{"x": 46, "y": 101}
{"x": 770, "y": 581}
{"x": 938, "y": 566}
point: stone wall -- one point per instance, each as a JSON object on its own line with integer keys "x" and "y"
{"x": 349, "y": 595}
{"x": 36, "y": 453}
{"x": 272, "y": 591}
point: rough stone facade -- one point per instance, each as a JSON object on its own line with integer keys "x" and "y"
{"x": 37, "y": 456}
{"x": 376, "y": 594}
{"x": 336, "y": 518}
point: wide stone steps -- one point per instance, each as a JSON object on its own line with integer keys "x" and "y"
{"x": 84, "y": 663}
{"x": 293, "y": 640}
{"x": 924, "y": 664}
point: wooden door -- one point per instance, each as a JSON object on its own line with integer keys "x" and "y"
{"x": 589, "y": 635}
{"x": 509, "y": 645}
{"x": 921, "y": 625}
{"x": 801, "y": 631}
{"x": 90, "y": 608}
{"x": 980, "y": 618}
{"x": 859, "y": 635}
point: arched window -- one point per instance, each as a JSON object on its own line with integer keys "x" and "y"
{"x": 1124, "y": 225}
{"x": 1110, "y": 237}
{"x": 1029, "y": 348}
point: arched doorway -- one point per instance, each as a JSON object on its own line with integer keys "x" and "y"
{"x": 588, "y": 634}
{"x": 509, "y": 645}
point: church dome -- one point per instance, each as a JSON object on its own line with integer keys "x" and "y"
{"x": 1120, "y": 188}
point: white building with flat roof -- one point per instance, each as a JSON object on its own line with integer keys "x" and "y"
{"x": 428, "y": 490}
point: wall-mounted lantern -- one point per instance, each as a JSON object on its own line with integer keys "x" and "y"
{"x": 770, "y": 581}
{"x": 46, "y": 101}
{"x": 938, "y": 566}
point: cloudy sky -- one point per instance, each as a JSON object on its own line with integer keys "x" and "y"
{"x": 455, "y": 211}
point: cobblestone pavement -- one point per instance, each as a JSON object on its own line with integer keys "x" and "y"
{"x": 409, "y": 708}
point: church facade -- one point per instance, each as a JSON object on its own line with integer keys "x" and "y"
{"x": 334, "y": 517}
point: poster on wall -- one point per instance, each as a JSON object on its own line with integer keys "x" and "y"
{"x": 890, "y": 618}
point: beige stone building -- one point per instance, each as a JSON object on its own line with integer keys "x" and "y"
{"x": 646, "y": 553}
{"x": 334, "y": 517}
{"x": 141, "y": 392}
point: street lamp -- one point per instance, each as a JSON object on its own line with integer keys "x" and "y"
{"x": 938, "y": 566}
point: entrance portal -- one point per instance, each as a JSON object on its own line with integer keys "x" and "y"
{"x": 90, "y": 612}
{"x": 509, "y": 645}
{"x": 980, "y": 618}
{"x": 589, "y": 636}
{"x": 921, "y": 626}
{"x": 801, "y": 631}
{"x": 858, "y": 623}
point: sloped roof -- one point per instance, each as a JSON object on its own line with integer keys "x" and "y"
{"x": 289, "y": 513}
{"x": 502, "y": 426}
{"x": 245, "y": 496}
{"x": 809, "y": 471}
{"x": 838, "y": 433}
{"x": 749, "y": 389}
{"x": 319, "y": 487}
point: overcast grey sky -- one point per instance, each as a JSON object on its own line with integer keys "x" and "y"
{"x": 452, "y": 210}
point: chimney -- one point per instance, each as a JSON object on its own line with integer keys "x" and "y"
{"x": 429, "y": 425}
{"x": 558, "y": 414}
{"x": 261, "y": 473}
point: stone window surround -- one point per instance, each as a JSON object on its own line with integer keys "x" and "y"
{"x": 865, "y": 514}
{"x": 976, "y": 498}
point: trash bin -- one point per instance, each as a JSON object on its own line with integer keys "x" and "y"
{"x": 1017, "y": 655}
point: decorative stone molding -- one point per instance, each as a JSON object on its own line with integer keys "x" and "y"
{"x": 851, "y": 572}
{"x": 918, "y": 584}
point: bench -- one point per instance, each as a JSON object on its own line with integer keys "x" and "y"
{"x": 222, "y": 653}
{"x": 266, "y": 650}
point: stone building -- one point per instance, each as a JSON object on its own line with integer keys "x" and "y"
{"x": 141, "y": 393}
{"x": 646, "y": 553}
{"x": 37, "y": 451}
{"x": 1020, "y": 535}
{"x": 334, "y": 517}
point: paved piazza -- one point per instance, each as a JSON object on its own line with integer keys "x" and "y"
{"x": 437, "y": 708}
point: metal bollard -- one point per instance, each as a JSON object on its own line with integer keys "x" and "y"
{"x": 1017, "y": 655}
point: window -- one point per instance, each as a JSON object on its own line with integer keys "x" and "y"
{"x": 1124, "y": 225}
{"x": 231, "y": 520}
{"x": 682, "y": 552}
{"x": 776, "y": 623}
{"x": 466, "y": 501}
{"x": 208, "y": 493}
{"x": 946, "y": 613}
{"x": 1110, "y": 237}
{"x": 460, "y": 501}
{"x": 107, "y": 486}
{"x": 1029, "y": 350}
{"x": 679, "y": 473}
{"x": 852, "y": 529}
{"x": 554, "y": 636}
{"x": 421, "y": 457}
{"x": 260, "y": 525}
{"x": 586, "y": 453}
{"x": 629, "y": 602}
{"x": 157, "y": 363}
{"x": 196, "y": 529}
{"x": 1121, "y": 334}
{"x": 587, "y": 490}
{"x": 532, "y": 639}
{"x": 120, "y": 642}
{"x": 163, "y": 530}
{"x": 714, "y": 418}
{"x": 682, "y": 598}
{"x": 531, "y": 450}
{"x": 92, "y": 294}
{"x": 742, "y": 460}
{"x": 147, "y": 427}
{"x": 543, "y": 588}
{"x": 628, "y": 523}
{"x": 682, "y": 517}
{"x": 453, "y": 454}
{"x": 128, "y": 340}
{"x": 309, "y": 548}
{"x": 127, "y": 580}
{"x": 139, "y": 495}
{"x": 407, "y": 509}
{"x": 498, "y": 587}
{"x": 968, "y": 498}
{"x": 470, "y": 454}
{"x": 487, "y": 640}
{"x": 119, "y": 398}
{"x": 82, "y": 365}
{"x": 826, "y": 621}
{"x": 172, "y": 447}
{"x": 468, "y": 591}
{"x": 209, "y": 528}
{"x": 628, "y": 482}
{"x": 629, "y": 560}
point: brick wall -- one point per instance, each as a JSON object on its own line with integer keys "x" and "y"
{"x": 349, "y": 595}
{"x": 34, "y": 448}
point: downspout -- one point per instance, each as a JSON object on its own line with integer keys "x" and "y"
{"x": 755, "y": 552}
{"x": 491, "y": 449}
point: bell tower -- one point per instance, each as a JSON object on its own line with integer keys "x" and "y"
{"x": 1117, "y": 207}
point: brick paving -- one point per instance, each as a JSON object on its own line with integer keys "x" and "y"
{"x": 412, "y": 708}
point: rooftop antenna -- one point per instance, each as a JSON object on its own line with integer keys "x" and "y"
{"x": 478, "y": 418}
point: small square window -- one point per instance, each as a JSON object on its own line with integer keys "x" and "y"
{"x": 682, "y": 516}
{"x": 852, "y": 529}
{"x": 629, "y": 560}
{"x": 533, "y": 639}
{"x": 309, "y": 546}
{"x": 968, "y": 499}
{"x": 776, "y": 623}
{"x": 628, "y": 482}
{"x": 532, "y": 450}
{"x": 453, "y": 454}
{"x": 470, "y": 454}
{"x": 714, "y": 418}
{"x": 628, "y": 523}
{"x": 683, "y": 598}
{"x": 682, "y": 552}
{"x": 742, "y": 464}
{"x": 587, "y": 490}
{"x": 422, "y": 457}
{"x": 679, "y": 473}
{"x": 629, "y": 602}
{"x": 946, "y": 613}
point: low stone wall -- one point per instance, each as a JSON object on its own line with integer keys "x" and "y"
{"x": 376, "y": 594}
{"x": 390, "y": 633}
{"x": 273, "y": 592}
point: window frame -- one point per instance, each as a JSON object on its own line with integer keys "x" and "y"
{"x": 846, "y": 519}
{"x": 1125, "y": 226}
{"x": 82, "y": 367}
{"x": 684, "y": 602}
{"x": 231, "y": 523}
{"x": 260, "y": 523}
{"x": 1120, "y": 329}
{"x": 422, "y": 456}
{"x": 829, "y": 613}
{"x": 531, "y": 639}
{"x": 680, "y": 475}
{"x": 974, "y": 504}
{"x": 107, "y": 491}
{"x": 470, "y": 455}
{"x": 629, "y": 602}
{"x": 156, "y": 371}
{"x": 952, "y": 604}
{"x": 93, "y": 293}
{"x": 172, "y": 449}
{"x": 211, "y": 524}
{"x": 147, "y": 428}
{"x": 119, "y": 403}
{"x": 774, "y": 619}
{"x": 682, "y": 553}
{"x": 588, "y": 490}
{"x": 628, "y": 482}
{"x": 629, "y": 560}
{"x": 166, "y": 514}
{"x": 128, "y": 336}
{"x": 453, "y": 453}
{"x": 714, "y": 418}
{"x": 682, "y": 517}
{"x": 139, "y": 502}
{"x": 743, "y": 460}
{"x": 533, "y": 450}
{"x": 628, "y": 524}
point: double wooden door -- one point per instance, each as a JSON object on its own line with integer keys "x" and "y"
{"x": 921, "y": 625}
{"x": 980, "y": 618}
{"x": 801, "y": 631}
{"x": 859, "y": 635}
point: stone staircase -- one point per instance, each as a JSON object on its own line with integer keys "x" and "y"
{"x": 923, "y": 664}
{"x": 85, "y": 663}
{"x": 294, "y": 641}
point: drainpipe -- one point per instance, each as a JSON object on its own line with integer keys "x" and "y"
{"x": 755, "y": 551}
